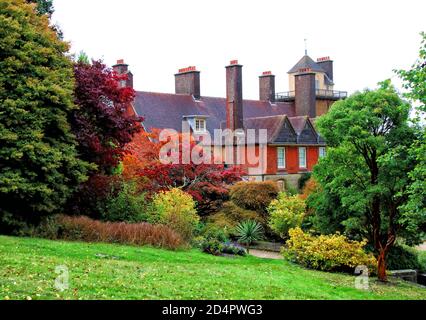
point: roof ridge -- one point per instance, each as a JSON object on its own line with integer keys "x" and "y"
{"x": 267, "y": 117}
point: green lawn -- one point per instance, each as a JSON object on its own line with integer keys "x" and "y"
{"x": 103, "y": 271}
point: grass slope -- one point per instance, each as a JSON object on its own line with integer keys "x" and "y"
{"x": 103, "y": 271}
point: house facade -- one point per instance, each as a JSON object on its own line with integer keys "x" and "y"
{"x": 293, "y": 146}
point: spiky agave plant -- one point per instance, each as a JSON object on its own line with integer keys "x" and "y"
{"x": 248, "y": 232}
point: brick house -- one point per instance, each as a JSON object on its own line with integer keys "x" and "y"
{"x": 293, "y": 145}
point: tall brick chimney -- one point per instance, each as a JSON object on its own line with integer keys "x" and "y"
{"x": 267, "y": 86}
{"x": 327, "y": 65}
{"x": 122, "y": 68}
{"x": 234, "y": 96}
{"x": 305, "y": 93}
{"x": 187, "y": 81}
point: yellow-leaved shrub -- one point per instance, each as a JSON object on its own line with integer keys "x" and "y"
{"x": 286, "y": 212}
{"x": 175, "y": 209}
{"x": 327, "y": 252}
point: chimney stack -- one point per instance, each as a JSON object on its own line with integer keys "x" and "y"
{"x": 234, "y": 96}
{"x": 327, "y": 65}
{"x": 267, "y": 86}
{"x": 187, "y": 81}
{"x": 305, "y": 93}
{"x": 122, "y": 68}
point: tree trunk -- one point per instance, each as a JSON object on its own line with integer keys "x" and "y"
{"x": 381, "y": 266}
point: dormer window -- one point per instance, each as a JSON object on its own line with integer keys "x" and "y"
{"x": 200, "y": 125}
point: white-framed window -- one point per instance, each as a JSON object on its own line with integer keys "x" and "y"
{"x": 322, "y": 152}
{"x": 123, "y": 83}
{"x": 200, "y": 125}
{"x": 302, "y": 158}
{"x": 281, "y": 158}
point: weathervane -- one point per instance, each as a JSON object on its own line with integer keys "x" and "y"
{"x": 306, "y": 47}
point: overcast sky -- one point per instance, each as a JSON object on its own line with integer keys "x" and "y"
{"x": 367, "y": 39}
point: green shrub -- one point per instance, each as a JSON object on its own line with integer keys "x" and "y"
{"x": 214, "y": 240}
{"x": 175, "y": 209}
{"x": 212, "y": 231}
{"x": 88, "y": 230}
{"x": 285, "y": 213}
{"x": 327, "y": 253}
{"x": 231, "y": 215}
{"x": 249, "y": 232}
{"x": 304, "y": 179}
{"x": 422, "y": 260}
{"x": 126, "y": 205}
{"x": 254, "y": 196}
{"x": 403, "y": 257}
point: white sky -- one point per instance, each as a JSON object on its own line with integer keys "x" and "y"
{"x": 366, "y": 39}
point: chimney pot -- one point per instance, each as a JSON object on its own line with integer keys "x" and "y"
{"x": 233, "y": 62}
{"x": 327, "y": 64}
{"x": 323, "y": 59}
{"x": 123, "y": 69}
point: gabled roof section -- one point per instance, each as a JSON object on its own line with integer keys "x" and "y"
{"x": 304, "y": 129}
{"x": 298, "y": 123}
{"x": 306, "y": 63}
{"x": 286, "y": 133}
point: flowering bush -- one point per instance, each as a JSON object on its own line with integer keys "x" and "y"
{"x": 175, "y": 209}
{"x": 286, "y": 212}
{"x": 327, "y": 253}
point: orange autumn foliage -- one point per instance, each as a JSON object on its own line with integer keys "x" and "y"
{"x": 310, "y": 187}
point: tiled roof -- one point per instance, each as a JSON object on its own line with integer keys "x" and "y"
{"x": 306, "y": 63}
{"x": 272, "y": 123}
{"x": 166, "y": 111}
{"x": 163, "y": 110}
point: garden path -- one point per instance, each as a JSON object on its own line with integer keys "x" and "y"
{"x": 266, "y": 254}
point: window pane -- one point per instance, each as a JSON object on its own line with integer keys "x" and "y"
{"x": 281, "y": 158}
{"x": 322, "y": 152}
{"x": 200, "y": 125}
{"x": 302, "y": 157}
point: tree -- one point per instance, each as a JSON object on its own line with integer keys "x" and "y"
{"x": 43, "y": 6}
{"x": 39, "y": 167}
{"x": 367, "y": 163}
{"x": 415, "y": 82}
{"x": 102, "y": 124}
{"x": 207, "y": 183}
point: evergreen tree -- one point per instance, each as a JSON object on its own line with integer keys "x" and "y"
{"x": 39, "y": 164}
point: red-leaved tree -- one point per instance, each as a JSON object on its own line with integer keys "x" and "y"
{"x": 102, "y": 123}
{"x": 207, "y": 183}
